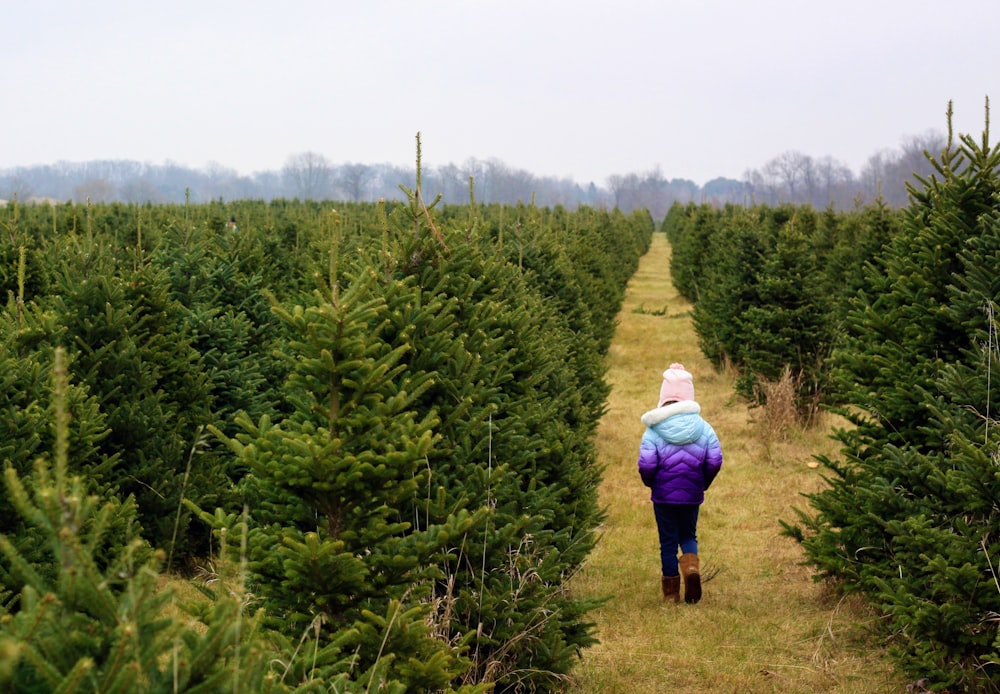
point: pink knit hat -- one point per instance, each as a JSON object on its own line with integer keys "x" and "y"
{"x": 678, "y": 384}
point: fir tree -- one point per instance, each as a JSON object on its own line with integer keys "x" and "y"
{"x": 98, "y": 624}
{"x": 729, "y": 259}
{"x": 910, "y": 515}
{"x": 330, "y": 490}
{"x": 691, "y": 240}
{"x": 511, "y": 441}
{"x": 131, "y": 349}
{"x": 789, "y": 326}
{"x": 28, "y": 337}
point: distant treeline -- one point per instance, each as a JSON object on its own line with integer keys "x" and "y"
{"x": 791, "y": 177}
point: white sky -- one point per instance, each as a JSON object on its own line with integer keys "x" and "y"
{"x": 570, "y": 88}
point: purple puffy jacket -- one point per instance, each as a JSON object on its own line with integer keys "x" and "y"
{"x": 679, "y": 455}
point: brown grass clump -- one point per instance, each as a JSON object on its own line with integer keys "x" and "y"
{"x": 764, "y": 624}
{"x": 778, "y": 416}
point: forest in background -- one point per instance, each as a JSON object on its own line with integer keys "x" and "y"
{"x": 791, "y": 177}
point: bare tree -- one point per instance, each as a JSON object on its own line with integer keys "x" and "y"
{"x": 755, "y": 186}
{"x": 353, "y": 180}
{"x": 792, "y": 171}
{"x": 615, "y": 183}
{"x": 720, "y": 191}
{"x": 836, "y": 183}
{"x": 451, "y": 181}
{"x": 94, "y": 190}
{"x": 800, "y": 179}
{"x": 493, "y": 181}
{"x": 142, "y": 190}
{"x": 17, "y": 186}
{"x": 873, "y": 173}
{"x": 622, "y": 188}
{"x": 508, "y": 185}
{"x": 309, "y": 175}
{"x": 887, "y": 173}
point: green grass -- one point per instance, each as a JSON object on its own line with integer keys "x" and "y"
{"x": 764, "y": 624}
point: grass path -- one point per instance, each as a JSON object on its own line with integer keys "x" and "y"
{"x": 763, "y": 625}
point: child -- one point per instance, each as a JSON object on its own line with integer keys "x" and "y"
{"x": 679, "y": 457}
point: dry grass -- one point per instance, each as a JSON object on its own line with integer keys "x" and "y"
{"x": 777, "y": 417}
{"x": 763, "y": 625}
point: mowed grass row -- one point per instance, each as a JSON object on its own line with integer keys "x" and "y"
{"x": 764, "y": 624}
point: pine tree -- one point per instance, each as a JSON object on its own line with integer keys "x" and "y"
{"x": 858, "y": 237}
{"x": 729, "y": 255}
{"x": 898, "y": 335}
{"x": 21, "y": 262}
{"x": 98, "y": 622}
{"x": 28, "y": 336}
{"x": 131, "y": 349}
{"x": 691, "y": 240}
{"x": 330, "y": 490}
{"x": 511, "y": 441}
{"x": 910, "y": 515}
{"x": 789, "y": 327}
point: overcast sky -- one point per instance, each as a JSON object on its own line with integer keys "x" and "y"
{"x": 568, "y": 88}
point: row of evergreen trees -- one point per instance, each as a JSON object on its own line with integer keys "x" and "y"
{"x": 897, "y": 332}
{"x": 383, "y": 413}
{"x": 770, "y": 285}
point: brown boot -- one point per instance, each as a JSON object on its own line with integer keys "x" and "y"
{"x": 671, "y": 588}
{"x": 692, "y": 578}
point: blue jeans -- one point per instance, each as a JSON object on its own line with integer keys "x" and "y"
{"x": 677, "y": 527}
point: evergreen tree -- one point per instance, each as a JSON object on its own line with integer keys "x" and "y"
{"x": 28, "y": 337}
{"x": 131, "y": 349}
{"x": 691, "y": 243}
{"x": 789, "y": 325}
{"x": 898, "y": 335}
{"x": 910, "y": 514}
{"x": 226, "y": 313}
{"x": 858, "y": 237}
{"x": 21, "y": 262}
{"x": 97, "y": 623}
{"x": 729, "y": 260}
{"x": 419, "y": 470}
{"x": 331, "y": 488}
{"x": 513, "y": 439}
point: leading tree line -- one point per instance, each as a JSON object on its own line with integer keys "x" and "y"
{"x": 890, "y": 319}
{"x": 374, "y": 421}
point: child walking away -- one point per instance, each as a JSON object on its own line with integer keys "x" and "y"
{"x": 679, "y": 457}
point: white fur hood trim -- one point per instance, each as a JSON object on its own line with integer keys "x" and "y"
{"x": 656, "y": 416}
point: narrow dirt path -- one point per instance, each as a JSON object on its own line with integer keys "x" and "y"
{"x": 763, "y": 625}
